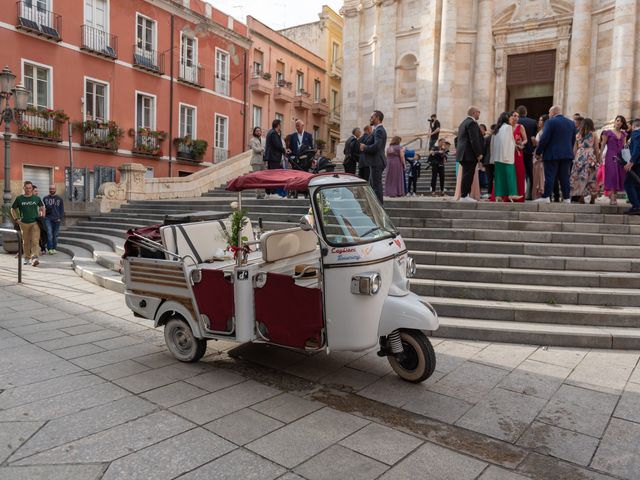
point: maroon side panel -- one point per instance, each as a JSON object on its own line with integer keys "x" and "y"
{"x": 292, "y": 314}
{"x": 214, "y": 296}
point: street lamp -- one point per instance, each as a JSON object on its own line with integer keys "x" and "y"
{"x": 20, "y": 96}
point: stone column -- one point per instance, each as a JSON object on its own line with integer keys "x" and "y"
{"x": 446, "y": 79}
{"x": 132, "y": 179}
{"x": 500, "y": 94}
{"x": 385, "y": 71}
{"x": 622, "y": 61}
{"x": 580, "y": 59}
{"x": 350, "y": 86}
{"x": 482, "y": 91}
{"x": 427, "y": 74}
{"x": 562, "y": 58}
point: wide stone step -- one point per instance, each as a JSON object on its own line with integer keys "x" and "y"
{"x": 548, "y": 294}
{"x": 560, "y": 278}
{"x": 520, "y": 236}
{"x": 559, "y": 263}
{"x": 111, "y": 232}
{"x": 536, "y": 312}
{"x": 539, "y": 333}
{"x": 523, "y": 248}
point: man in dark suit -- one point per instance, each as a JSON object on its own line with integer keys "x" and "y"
{"x": 469, "y": 151}
{"x": 374, "y": 153}
{"x": 556, "y": 148}
{"x": 530, "y": 128}
{"x": 300, "y": 138}
{"x": 273, "y": 148}
{"x": 352, "y": 152}
{"x": 363, "y": 171}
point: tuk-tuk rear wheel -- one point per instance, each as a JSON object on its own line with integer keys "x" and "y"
{"x": 418, "y": 361}
{"x": 181, "y": 341}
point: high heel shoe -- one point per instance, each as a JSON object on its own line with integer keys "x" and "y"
{"x": 516, "y": 198}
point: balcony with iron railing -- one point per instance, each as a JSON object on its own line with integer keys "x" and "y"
{"x": 320, "y": 107}
{"x": 99, "y": 42}
{"x": 191, "y": 75}
{"x": 149, "y": 60}
{"x": 221, "y": 85}
{"x": 100, "y": 134}
{"x": 260, "y": 83}
{"x": 283, "y": 92}
{"x": 34, "y": 19}
{"x": 303, "y": 100}
{"x": 147, "y": 141}
{"x": 335, "y": 70}
{"x": 41, "y": 124}
{"x": 192, "y": 150}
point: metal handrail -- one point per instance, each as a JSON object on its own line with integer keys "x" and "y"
{"x": 18, "y": 234}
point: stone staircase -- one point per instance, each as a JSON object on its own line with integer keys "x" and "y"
{"x": 552, "y": 274}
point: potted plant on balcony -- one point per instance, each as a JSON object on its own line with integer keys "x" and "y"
{"x": 266, "y": 76}
{"x": 282, "y": 83}
{"x": 193, "y": 149}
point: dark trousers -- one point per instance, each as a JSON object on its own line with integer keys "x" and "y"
{"x": 437, "y": 170}
{"x": 528, "y": 167}
{"x": 489, "y": 169}
{"x": 272, "y": 166}
{"x": 632, "y": 187}
{"x": 561, "y": 168}
{"x": 413, "y": 184}
{"x": 468, "y": 171}
{"x": 350, "y": 167}
{"x": 363, "y": 172}
{"x": 375, "y": 179}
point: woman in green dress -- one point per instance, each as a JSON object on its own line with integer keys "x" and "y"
{"x": 503, "y": 147}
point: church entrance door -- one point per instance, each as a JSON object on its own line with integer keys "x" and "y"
{"x": 530, "y": 81}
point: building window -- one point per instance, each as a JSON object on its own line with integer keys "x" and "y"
{"x": 280, "y": 73}
{"x": 257, "y": 116}
{"x": 317, "y": 91}
{"x": 258, "y": 61}
{"x": 187, "y": 121}
{"x": 334, "y": 100}
{"x": 145, "y": 111}
{"x": 95, "y": 31}
{"x": 280, "y": 117}
{"x": 95, "y": 101}
{"x": 220, "y": 138}
{"x": 316, "y": 134}
{"x": 222, "y": 72}
{"x": 299, "y": 83}
{"x": 146, "y": 40}
{"x": 37, "y": 80}
{"x": 335, "y": 52}
{"x": 188, "y": 59}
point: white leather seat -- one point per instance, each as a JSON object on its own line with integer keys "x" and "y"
{"x": 201, "y": 240}
{"x": 281, "y": 244}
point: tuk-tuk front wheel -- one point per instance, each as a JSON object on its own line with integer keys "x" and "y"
{"x": 181, "y": 341}
{"x": 417, "y": 361}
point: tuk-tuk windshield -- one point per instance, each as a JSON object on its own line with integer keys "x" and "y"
{"x": 351, "y": 215}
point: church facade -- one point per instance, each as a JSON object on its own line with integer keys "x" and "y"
{"x": 412, "y": 58}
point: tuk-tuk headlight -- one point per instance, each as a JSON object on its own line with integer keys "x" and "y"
{"x": 366, "y": 284}
{"x": 411, "y": 267}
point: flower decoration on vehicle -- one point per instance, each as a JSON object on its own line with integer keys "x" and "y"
{"x": 238, "y": 220}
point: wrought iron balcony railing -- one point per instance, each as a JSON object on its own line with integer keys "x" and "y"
{"x": 149, "y": 60}
{"x": 191, "y": 74}
{"x": 98, "y": 41}
{"x": 39, "y": 124}
{"x": 100, "y": 134}
{"x": 32, "y": 17}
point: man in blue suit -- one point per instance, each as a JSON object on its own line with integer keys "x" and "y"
{"x": 556, "y": 149}
{"x": 300, "y": 138}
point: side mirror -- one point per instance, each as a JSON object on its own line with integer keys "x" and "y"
{"x": 305, "y": 225}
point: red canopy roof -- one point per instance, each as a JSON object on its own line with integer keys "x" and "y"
{"x": 292, "y": 180}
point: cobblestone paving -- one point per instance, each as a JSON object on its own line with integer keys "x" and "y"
{"x": 87, "y": 391}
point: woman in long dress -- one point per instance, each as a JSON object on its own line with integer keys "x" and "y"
{"x": 613, "y": 172}
{"x": 257, "y": 153}
{"x": 537, "y": 185}
{"x": 394, "y": 183}
{"x": 503, "y": 147}
{"x": 520, "y": 137}
{"x": 585, "y": 163}
{"x": 475, "y": 186}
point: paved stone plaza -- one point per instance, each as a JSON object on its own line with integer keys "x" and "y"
{"x": 87, "y": 391}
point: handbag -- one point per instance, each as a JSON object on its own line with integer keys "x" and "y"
{"x": 624, "y": 156}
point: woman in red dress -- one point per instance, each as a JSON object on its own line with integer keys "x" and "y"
{"x": 520, "y": 136}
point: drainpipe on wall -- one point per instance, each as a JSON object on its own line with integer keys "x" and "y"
{"x": 171, "y": 100}
{"x": 245, "y": 81}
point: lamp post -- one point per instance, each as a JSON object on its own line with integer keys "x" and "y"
{"x": 20, "y": 96}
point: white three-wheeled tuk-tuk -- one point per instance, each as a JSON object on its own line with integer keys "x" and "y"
{"x": 337, "y": 281}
